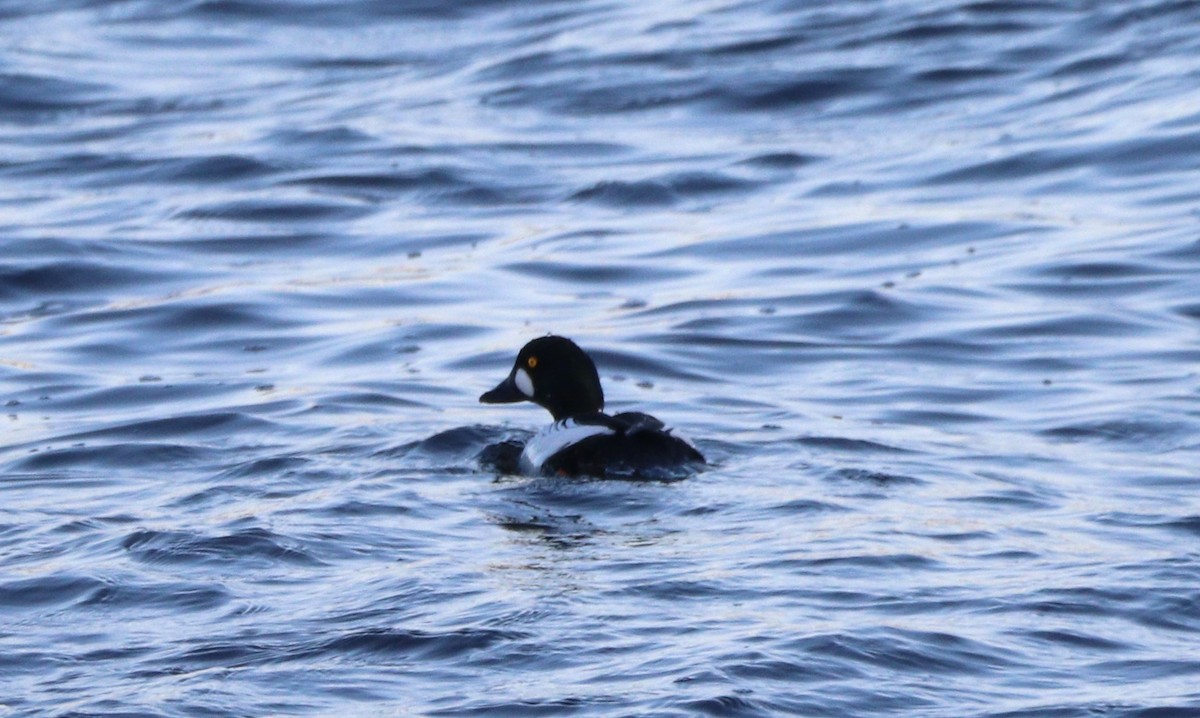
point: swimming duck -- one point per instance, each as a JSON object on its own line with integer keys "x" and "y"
{"x": 554, "y": 373}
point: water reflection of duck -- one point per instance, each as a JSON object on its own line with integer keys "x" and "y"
{"x": 554, "y": 373}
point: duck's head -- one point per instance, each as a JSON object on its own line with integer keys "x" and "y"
{"x": 552, "y": 372}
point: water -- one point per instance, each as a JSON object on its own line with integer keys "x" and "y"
{"x": 921, "y": 279}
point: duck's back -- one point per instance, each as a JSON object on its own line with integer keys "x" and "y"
{"x": 627, "y": 445}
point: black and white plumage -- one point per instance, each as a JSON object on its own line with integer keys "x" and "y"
{"x": 554, "y": 373}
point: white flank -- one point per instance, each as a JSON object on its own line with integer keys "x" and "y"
{"x": 554, "y": 438}
{"x": 524, "y": 383}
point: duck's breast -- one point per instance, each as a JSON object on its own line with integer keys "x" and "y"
{"x": 553, "y": 439}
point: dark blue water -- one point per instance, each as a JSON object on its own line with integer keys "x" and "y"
{"x": 922, "y": 279}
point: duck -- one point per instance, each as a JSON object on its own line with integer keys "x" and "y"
{"x": 559, "y": 376}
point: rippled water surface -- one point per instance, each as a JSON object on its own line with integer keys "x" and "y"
{"x": 922, "y": 279}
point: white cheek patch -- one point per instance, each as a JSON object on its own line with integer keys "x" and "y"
{"x": 524, "y": 383}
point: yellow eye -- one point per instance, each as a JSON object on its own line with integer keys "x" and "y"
{"x": 531, "y": 362}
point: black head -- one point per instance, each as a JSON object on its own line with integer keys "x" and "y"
{"x": 552, "y": 372}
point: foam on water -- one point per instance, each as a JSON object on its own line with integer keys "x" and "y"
{"x": 920, "y": 280}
